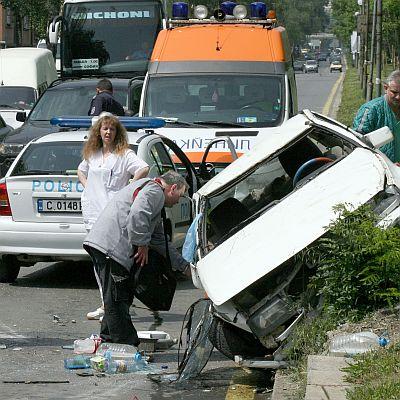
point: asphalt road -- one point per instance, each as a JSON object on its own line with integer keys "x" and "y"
{"x": 314, "y": 89}
{"x": 31, "y": 337}
{"x": 34, "y": 340}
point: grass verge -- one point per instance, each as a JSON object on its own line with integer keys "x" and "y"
{"x": 352, "y": 97}
{"x": 376, "y": 374}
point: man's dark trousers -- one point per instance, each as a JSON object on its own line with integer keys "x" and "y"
{"x": 118, "y": 292}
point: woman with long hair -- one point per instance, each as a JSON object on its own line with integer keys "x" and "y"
{"x": 107, "y": 166}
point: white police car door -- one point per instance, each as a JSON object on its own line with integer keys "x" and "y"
{"x": 180, "y": 216}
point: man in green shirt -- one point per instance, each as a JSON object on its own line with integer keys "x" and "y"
{"x": 383, "y": 111}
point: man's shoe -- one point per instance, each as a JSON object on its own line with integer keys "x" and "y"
{"x": 95, "y": 314}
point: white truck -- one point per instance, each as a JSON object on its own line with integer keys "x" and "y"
{"x": 25, "y": 73}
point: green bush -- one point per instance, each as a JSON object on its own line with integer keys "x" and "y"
{"x": 357, "y": 263}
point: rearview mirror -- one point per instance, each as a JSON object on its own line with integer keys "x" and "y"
{"x": 21, "y": 116}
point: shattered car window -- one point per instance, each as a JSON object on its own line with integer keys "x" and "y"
{"x": 260, "y": 188}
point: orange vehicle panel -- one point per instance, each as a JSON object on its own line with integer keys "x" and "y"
{"x": 220, "y": 43}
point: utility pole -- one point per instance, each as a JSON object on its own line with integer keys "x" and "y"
{"x": 370, "y": 87}
{"x": 378, "y": 47}
{"x": 360, "y": 27}
{"x": 365, "y": 70}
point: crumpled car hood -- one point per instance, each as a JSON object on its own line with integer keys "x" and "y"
{"x": 290, "y": 226}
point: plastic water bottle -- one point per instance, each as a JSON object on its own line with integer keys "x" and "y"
{"x": 119, "y": 366}
{"x": 354, "y": 343}
{"x": 86, "y": 346}
{"x": 77, "y": 362}
{"x": 117, "y": 351}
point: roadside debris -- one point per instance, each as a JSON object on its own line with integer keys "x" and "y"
{"x": 198, "y": 349}
{"x": 32, "y": 382}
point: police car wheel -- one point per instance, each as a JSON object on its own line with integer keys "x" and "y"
{"x": 9, "y": 269}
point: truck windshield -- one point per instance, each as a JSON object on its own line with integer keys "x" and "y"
{"x": 248, "y": 100}
{"x": 103, "y": 37}
{"x": 17, "y": 97}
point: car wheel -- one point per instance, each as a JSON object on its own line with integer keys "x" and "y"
{"x": 231, "y": 341}
{"x": 9, "y": 269}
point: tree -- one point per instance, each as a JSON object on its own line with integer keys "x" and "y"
{"x": 38, "y": 11}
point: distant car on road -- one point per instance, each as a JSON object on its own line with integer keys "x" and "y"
{"x": 336, "y": 66}
{"x": 310, "y": 66}
{"x": 298, "y": 65}
{"x": 40, "y": 198}
{"x": 322, "y": 57}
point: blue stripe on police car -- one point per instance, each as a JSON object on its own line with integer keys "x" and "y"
{"x": 50, "y": 185}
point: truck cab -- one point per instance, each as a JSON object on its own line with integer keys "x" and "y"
{"x": 111, "y": 38}
{"x": 220, "y": 74}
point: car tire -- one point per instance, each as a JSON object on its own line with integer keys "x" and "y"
{"x": 9, "y": 269}
{"x": 231, "y": 341}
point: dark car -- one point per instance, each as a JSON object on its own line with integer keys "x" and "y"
{"x": 322, "y": 57}
{"x": 298, "y": 65}
{"x": 70, "y": 97}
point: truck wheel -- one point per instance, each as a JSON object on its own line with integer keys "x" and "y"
{"x": 9, "y": 269}
{"x": 231, "y": 341}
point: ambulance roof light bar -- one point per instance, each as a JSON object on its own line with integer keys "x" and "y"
{"x": 133, "y": 123}
{"x": 228, "y": 13}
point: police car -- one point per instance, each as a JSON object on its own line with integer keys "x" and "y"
{"x": 40, "y": 207}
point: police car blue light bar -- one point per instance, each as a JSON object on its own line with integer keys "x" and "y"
{"x": 127, "y": 122}
{"x": 258, "y": 10}
{"x": 180, "y": 10}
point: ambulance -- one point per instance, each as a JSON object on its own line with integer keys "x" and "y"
{"x": 220, "y": 74}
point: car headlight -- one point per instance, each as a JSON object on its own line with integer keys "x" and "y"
{"x": 10, "y": 148}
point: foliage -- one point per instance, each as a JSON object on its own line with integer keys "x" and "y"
{"x": 308, "y": 337}
{"x": 376, "y": 375}
{"x": 344, "y": 21}
{"x": 357, "y": 263}
{"x": 38, "y": 11}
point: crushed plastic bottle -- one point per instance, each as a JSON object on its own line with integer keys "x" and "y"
{"x": 118, "y": 366}
{"x": 85, "y": 346}
{"x": 77, "y": 362}
{"x": 354, "y": 343}
{"x": 117, "y": 351}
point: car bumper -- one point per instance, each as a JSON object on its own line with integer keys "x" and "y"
{"x": 42, "y": 241}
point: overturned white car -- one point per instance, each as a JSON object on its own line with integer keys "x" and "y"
{"x": 267, "y": 206}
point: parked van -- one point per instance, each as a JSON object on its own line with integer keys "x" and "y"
{"x": 43, "y": 45}
{"x": 221, "y": 76}
{"x": 25, "y": 73}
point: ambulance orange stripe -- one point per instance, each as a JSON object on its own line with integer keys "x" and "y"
{"x": 214, "y": 157}
{"x": 200, "y": 43}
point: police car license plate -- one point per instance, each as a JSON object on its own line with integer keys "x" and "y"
{"x": 59, "y": 206}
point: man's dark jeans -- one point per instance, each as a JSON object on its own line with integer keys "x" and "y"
{"x": 118, "y": 292}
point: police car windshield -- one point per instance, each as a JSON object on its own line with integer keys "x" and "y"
{"x": 101, "y": 36}
{"x": 51, "y": 158}
{"x": 235, "y": 100}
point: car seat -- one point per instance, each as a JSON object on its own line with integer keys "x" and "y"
{"x": 297, "y": 154}
{"x": 225, "y": 216}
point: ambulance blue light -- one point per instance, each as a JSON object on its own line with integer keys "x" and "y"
{"x": 258, "y": 10}
{"x": 180, "y": 10}
{"x": 127, "y": 122}
{"x": 227, "y": 7}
